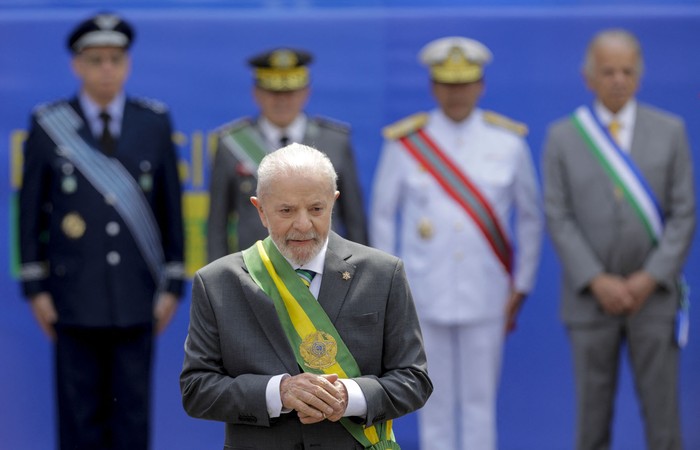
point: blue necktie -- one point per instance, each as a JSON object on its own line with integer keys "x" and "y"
{"x": 306, "y": 276}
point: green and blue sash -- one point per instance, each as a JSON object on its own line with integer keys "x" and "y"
{"x": 317, "y": 345}
{"x": 627, "y": 177}
{"x": 623, "y": 172}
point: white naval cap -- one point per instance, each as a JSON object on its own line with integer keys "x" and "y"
{"x": 455, "y": 59}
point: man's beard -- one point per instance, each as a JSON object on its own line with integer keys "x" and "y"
{"x": 299, "y": 255}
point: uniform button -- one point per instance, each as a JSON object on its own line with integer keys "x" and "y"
{"x": 246, "y": 186}
{"x": 113, "y": 258}
{"x": 459, "y": 226}
{"x": 60, "y": 270}
{"x": 459, "y": 255}
{"x": 110, "y": 199}
{"x": 112, "y": 228}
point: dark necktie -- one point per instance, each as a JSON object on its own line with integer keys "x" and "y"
{"x": 107, "y": 142}
{"x": 284, "y": 141}
{"x": 306, "y": 276}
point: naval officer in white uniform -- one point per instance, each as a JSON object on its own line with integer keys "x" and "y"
{"x": 462, "y": 182}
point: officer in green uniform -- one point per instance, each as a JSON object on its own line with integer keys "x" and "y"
{"x": 281, "y": 90}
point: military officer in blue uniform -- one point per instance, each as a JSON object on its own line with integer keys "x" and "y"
{"x": 101, "y": 240}
{"x": 281, "y": 90}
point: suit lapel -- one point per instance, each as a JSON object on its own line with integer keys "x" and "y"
{"x": 338, "y": 275}
{"x": 130, "y": 126}
{"x": 641, "y": 135}
{"x": 269, "y": 145}
{"x": 311, "y": 132}
{"x": 264, "y": 310}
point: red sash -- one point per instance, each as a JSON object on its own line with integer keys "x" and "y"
{"x": 462, "y": 190}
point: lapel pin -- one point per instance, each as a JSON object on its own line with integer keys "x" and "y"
{"x": 346, "y": 275}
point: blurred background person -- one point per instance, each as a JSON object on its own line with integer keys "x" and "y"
{"x": 281, "y": 90}
{"x": 620, "y": 208}
{"x": 456, "y": 176}
{"x": 101, "y": 240}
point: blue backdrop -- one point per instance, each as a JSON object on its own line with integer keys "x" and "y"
{"x": 365, "y": 73}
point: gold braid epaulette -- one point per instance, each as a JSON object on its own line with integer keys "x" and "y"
{"x": 500, "y": 120}
{"x": 405, "y": 126}
{"x": 234, "y": 125}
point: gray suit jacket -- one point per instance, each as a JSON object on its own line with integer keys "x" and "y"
{"x": 231, "y": 187}
{"x": 595, "y": 230}
{"x": 236, "y": 344}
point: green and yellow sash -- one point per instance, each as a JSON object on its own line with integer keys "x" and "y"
{"x": 316, "y": 343}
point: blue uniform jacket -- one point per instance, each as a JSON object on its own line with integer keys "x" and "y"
{"x": 75, "y": 245}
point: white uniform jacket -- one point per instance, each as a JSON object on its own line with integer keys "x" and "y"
{"x": 455, "y": 276}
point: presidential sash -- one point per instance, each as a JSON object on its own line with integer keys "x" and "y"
{"x": 111, "y": 179}
{"x": 246, "y": 144}
{"x": 462, "y": 190}
{"x": 317, "y": 345}
{"x": 622, "y": 171}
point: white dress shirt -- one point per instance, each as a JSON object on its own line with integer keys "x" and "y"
{"x": 624, "y": 117}
{"x": 272, "y": 133}
{"x": 92, "y": 111}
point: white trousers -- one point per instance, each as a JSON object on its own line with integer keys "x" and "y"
{"x": 464, "y": 363}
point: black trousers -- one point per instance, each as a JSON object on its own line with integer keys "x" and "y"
{"x": 103, "y": 378}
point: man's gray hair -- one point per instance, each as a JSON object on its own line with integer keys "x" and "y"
{"x": 617, "y": 35}
{"x": 292, "y": 160}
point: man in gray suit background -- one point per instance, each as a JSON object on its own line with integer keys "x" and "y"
{"x": 620, "y": 208}
{"x": 303, "y": 340}
{"x": 281, "y": 91}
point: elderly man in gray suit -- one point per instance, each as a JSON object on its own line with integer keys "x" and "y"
{"x": 304, "y": 340}
{"x": 281, "y": 91}
{"x": 619, "y": 202}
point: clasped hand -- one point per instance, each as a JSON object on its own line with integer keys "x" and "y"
{"x": 623, "y": 295}
{"x": 314, "y": 397}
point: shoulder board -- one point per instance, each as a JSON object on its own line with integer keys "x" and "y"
{"x": 49, "y": 105}
{"x": 334, "y": 124}
{"x": 234, "y": 125}
{"x": 502, "y": 121}
{"x": 405, "y": 126}
{"x": 156, "y": 106}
